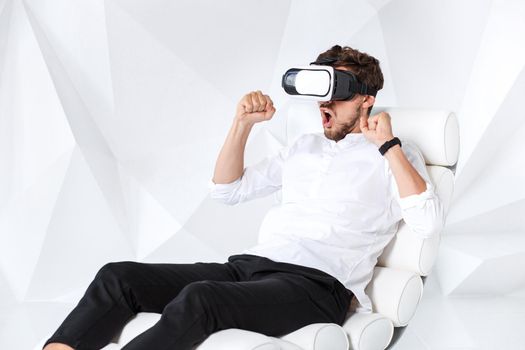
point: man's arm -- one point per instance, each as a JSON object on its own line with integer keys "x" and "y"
{"x": 408, "y": 180}
{"x": 253, "y": 107}
{"x": 378, "y": 129}
{"x": 232, "y": 183}
{"x": 420, "y": 207}
{"x": 230, "y": 162}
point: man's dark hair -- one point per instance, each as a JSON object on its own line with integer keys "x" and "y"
{"x": 364, "y": 66}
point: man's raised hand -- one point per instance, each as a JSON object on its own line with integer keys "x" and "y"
{"x": 254, "y": 107}
{"x": 377, "y": 128}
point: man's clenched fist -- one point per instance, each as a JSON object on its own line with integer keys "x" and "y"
{"x": 255, "y": 107}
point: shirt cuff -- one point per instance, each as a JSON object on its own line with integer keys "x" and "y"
{"x": 212, "y": 186}
{"x": 417, "y": 200}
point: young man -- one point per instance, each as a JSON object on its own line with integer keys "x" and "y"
{"x": 341, "y": 202}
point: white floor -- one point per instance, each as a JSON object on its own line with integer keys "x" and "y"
{"x": 451, "y": 323}
{"x": 465, "y": 323}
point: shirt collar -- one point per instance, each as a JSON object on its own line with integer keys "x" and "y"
{"x": 347, "y": 141}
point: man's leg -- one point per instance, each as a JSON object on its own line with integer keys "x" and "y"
{"x": 274, "y": 303}
{"x": 122, "y": 289}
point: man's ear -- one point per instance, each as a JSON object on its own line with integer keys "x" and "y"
{"x": 368, "y": 101}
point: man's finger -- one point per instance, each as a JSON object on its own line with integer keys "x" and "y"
{"x": 364, "y": 111}
{"x": 375, "y": 118}
{"x": 262, "y": 100}
{"x": 269, "y": 102}
{"x": 364, "y": 123}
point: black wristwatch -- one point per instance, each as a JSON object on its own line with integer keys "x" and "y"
{"x": 386, "y": 146}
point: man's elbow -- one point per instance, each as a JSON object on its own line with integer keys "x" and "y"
{"x": 436, "y": 229}
{"x": 433, "y": 229}
{"x": 231, "y": 203}
{"x": 438, "y": 222}
{"x": 227, "y": 200}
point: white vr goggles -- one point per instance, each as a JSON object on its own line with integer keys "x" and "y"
{"x": 320, "y": 82}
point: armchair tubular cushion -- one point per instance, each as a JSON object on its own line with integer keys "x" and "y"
{"x": 319, "y": 336}
{"x": 409, "y": 252}
{"x": 443, "y": 180}
{"x": 237, "y": 339}
{"x": 436, "y": 132}
{"x": 395, "y": 293}
{"x": 285, "y": 345}
{"x": 368, "y": 331}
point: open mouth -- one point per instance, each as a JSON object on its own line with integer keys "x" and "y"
{"x": 327, "y": 118}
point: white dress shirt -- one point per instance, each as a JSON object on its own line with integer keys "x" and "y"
{"x": 340, "y": 206}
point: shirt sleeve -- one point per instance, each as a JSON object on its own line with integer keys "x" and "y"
{"x": 423, "y": 212}
{"x": 258, "y": 180}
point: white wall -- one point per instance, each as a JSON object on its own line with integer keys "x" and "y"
{"x": 112, "y": 114}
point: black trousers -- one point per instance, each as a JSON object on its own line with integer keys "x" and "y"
{"x": 247, "y": 292}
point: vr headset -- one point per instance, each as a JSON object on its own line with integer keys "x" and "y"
{"x": 321, "y": 82}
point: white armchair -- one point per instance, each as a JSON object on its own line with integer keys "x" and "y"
{"x": 397, "y": 285}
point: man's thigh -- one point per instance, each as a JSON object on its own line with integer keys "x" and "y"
{"x": 275, "y": 304}
{"x": 151, "y": 286}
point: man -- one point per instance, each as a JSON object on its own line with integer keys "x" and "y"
{"x": 341, "y": 203}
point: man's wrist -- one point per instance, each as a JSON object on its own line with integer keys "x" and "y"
{"x": 388, "y": 144}
{"x": 242, "y": 125}
{"x": 392, "y": 150}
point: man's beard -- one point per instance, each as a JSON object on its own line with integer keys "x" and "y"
{"x": 339, "y": 130}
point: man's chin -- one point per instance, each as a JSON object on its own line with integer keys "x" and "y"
{"x": 330, "y": 134}
{"x": 334, "y": 134}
